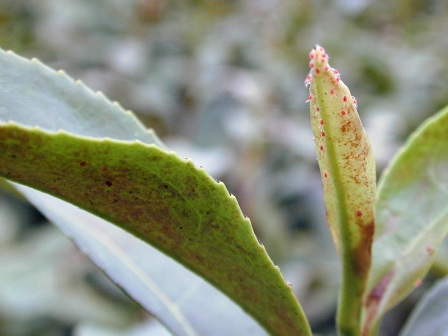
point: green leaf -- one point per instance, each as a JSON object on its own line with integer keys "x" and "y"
{"x": 347, "y": 169}
{"x": 149, "y": 192}
{"x": 411, "y": 218}
{"x": 430, "y": 316}
{"x": 177, "y": 296}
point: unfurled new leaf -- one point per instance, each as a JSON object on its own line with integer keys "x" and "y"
{"x": 412, "y": 217}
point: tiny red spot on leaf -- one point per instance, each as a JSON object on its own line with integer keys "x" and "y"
{"x": 83, "y": 163}
{"x": 359, "y": 213}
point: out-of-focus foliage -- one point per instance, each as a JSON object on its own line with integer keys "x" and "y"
{"x": 222, "y": 82}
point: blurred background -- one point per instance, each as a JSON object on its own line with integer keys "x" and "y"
{"x": 221, "y": 82}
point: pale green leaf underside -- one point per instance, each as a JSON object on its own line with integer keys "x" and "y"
{"x": 411, "y": 216}
{"x": 164, "y": 200}
{"x": 33, "y": 94}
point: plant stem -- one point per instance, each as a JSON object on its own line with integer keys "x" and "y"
{"x": 349, "y": 307}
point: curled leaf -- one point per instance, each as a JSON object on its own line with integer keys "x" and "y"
{"x": 347, "y": 169}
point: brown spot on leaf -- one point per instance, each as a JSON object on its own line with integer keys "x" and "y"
{"x": 363, "y": 252}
